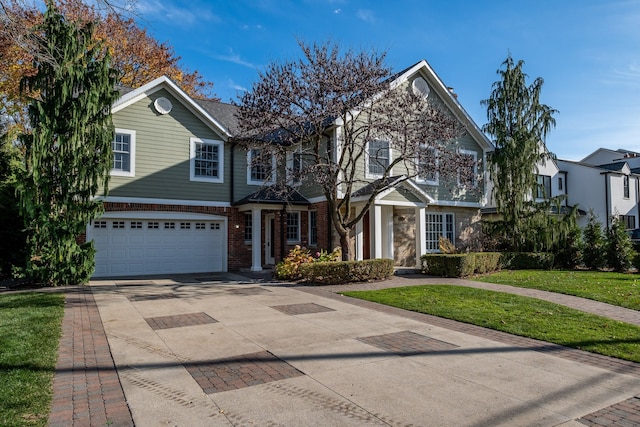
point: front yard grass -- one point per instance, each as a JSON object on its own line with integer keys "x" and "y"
{"x": 518, "y": 315}
{"x": 30, "y": 325}
{"x": 619, "y": 289}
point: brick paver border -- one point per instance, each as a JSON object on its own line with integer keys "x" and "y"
{"x": 86, "y": 387}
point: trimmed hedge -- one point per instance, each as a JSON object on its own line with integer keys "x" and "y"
{"x": 527, "y": 260}
{"x": 340, "y": 272}
{"x": 460, "y": 265}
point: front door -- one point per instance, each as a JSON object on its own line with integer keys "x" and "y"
{"x": 269, "y": 238}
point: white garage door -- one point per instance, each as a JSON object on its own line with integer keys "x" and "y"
{"x": 145, "y": 246}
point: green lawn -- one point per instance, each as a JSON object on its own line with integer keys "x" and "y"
{"x": 30, "y": 325}
{"x": 516, "y": 315}
{"x": 614, "y": 288}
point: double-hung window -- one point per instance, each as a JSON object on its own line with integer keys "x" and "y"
{"x": 293, "y": 227}
{"x": 313, "y": 228}
{"x": 260, "y": 167}
{"x": 248, "y": 227}
{"x": 378, "y": 158}
{"x": 207, "y": 160}
{"x": 468, "y": 170}
{"x": 294, "y": 167}
{"x": 543, "y": 188}
{"x": 625, "y": 186}
{"x": 439, "y": 224}
{"x": 427, "y": 164}
{"x": 123, "y": 147}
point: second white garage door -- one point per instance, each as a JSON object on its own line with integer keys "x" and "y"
{"x": 155, "y": 245}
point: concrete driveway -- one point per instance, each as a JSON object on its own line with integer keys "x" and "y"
{"x": 228, "y": 351}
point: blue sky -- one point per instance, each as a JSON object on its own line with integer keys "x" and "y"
{"x": 587, "y": 51}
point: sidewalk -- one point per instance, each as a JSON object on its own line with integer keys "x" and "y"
{"x": 306, "y": 353}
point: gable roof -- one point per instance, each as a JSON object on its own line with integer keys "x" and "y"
{"x": 274, "y": 194}
{"x": 447, "y": 96}
{"x": 166, "y": 83}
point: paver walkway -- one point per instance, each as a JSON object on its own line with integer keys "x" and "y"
{"x": 88, "y": 391}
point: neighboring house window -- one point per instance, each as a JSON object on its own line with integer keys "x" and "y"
{"x": 427, "y": 165}
{"x": 629, "y": 221}
{"x": 543, "y": 189}
{"x": 123, "y": 147}
{"x": 378, "y": 157}
{"x": 439, "y": 224}
{"x": 625, "y": 183}
{"x": 313, "y": 228}
{"x": 560, "y": 184}
{"x": 260, "y": 167}
{"x": 294, "y": 167}
{"x": 469, "y": 169}
{"x": 207, "y": 160}
{"x": 248, "y": 227}
{"x": 293, "y": 226}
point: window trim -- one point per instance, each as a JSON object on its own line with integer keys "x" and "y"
{"x": 311, "y": 243}
{"x": 273, "y": 173}
{"x": 473, "y": 154}
{"x": 297, "y": 239}
{"x": 625, "y": 187}
{"x": 248, "y": 227}
{"x": 542, "y": 187}
{"x": 367, "y": 170}
{"x": 422, "y": 179}
{"x": 443, "y": 223}
{"x": 192, "y": 160}
{"x": 132, "y": 153}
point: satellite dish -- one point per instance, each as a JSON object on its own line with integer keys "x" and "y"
{"x": 162, "y": 105}
{"x": 420, "y": 87}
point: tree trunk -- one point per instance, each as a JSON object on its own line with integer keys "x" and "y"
{"x": 345, "y": 245}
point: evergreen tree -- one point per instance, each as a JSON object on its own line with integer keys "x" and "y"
{"x": 594, "y": 244}
{"x": 619, "y": 249}
{"x": 518, "y": 124}
{"x": 68, "y": 150}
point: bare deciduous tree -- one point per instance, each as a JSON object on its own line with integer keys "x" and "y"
{"x": 341, "y": 111}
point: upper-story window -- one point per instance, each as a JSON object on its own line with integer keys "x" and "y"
{"x": 468, "y": 170}
{"x": 625, "y": 184}
{"x": 207, "y": 160}
{"x": 378, "y": 158}
{"x": 123, "y": 147}
{"x": 261, "y": 167}
{"x": 543, "y": 188}
{"x": 427, "y": 164}
{"x": 294, "y": 167}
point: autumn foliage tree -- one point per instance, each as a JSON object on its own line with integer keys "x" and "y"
{"x": 137, "y": 56}
{"x": 295, "y": 105}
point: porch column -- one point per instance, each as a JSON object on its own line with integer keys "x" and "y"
{"x": 359, "y": 241}
{"x": 256, "y": 241}
{"x": 376, "y": 232}
{"x": 387, "y": 251}
{"x": 421, "y": 235}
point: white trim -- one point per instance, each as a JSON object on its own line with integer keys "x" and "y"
{"x": 192, "y": 160}
{"x": 456, "y": 204}
{"x": 132, "y": 153}
{"x": 367, "y": 160}
{"x": 318, "y": 199}
{"x": 423, "y": 180}
{"x": 395, "y": 203}
{"x": 110, "y": 199}
{"x": 162, "y": 215}
{"x": 474, "y": 154}
{"x": 272, "y": 174}
{"x": 164, "y": 82}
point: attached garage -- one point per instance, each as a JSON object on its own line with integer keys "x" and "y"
{"x": 149, "y": 243}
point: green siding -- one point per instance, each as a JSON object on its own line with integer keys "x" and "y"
{"x": 162, "y": 153}
{"x": 402, "y": 195}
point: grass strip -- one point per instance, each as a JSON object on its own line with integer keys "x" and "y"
{"x": 621, "y": 289}
{"x": 515, "y": 314}
{"x": 30, "y": 327}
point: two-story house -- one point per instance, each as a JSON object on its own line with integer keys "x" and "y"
{"x": 185, "y": 197}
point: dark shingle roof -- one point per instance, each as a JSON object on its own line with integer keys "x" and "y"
{"x": 376, "y": 185}
{"x": 275, "y": 194}
{"x": 222, "y": 112}
{"x": 616, "y": 166}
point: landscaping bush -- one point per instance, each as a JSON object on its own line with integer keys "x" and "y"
{"x": 288, "y": 269}
{"x": 594, "y": 244}
{"x": 636, "y": 261}
{"x": 527, "y": 260}
{"x": 340, "y": 272}
{"x": 619, "y": 250}
{"x": 460, "y": 265}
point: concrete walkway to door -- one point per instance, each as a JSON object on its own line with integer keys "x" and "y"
{"x": 233, "y": 351}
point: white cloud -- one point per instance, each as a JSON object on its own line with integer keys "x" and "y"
{"x": 235, "y": 59}
{"x": 167, "y": 12}
{"x": 235, "y": 86}
{"x": 337, "y": 11}
{"x": 366, "y": 15}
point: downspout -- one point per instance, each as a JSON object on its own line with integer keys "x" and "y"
{"x": 283, "y": 218}
{"x": 606, "y": 198}
{"x": 231, "y": 180}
